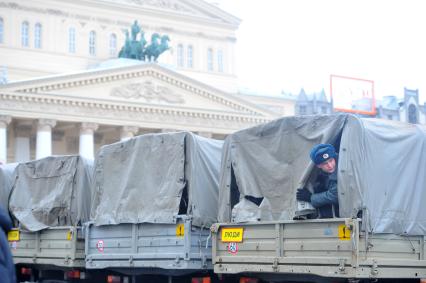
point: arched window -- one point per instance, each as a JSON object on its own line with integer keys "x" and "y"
{"x": 412, "y": 114}
{"x": 220, "y": 61}
{"x": 190, "y": 57}
{"x": 112, "y": 45}
{"x": 92, "y": 43}
{"x": 1, "y": 30}
{"x": 209, "y": 59}
{"x": 37, "y": 35}
{"x": 25, "y": 34}
{"x": 180, "y": 55}
{"x": 71, "y": 40}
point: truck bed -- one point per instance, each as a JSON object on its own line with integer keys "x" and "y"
{"x": 174, "y": 249}
{"x": 331, "y": 248}
{"x": 56, "y": 246}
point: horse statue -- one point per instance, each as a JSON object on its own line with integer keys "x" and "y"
{"x": 164, "y": 45}
{"x": 151, "y": 49}
{"x": 135, "y": 48}
{"x": 126, "y": 49}
{"x": 142, "y": 43}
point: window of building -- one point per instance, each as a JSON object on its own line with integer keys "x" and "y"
{"x": 302, "y": 110}
{"x": 112, "y": 45}
{"x": 1, "y": 30}
{"x": 180, "y": 55}
{"x": 25, "y": 34}
{"x": 92, "y": 43}
{"x": 37, "y": 35}
{"x": 324, "y": 109}
{"x": 390, "y": 117}
{"x": 190, "y": 59}
{"x": 71, "y": 40}
{"x": 210, "y": 59}
{"x": 220, "y": 61}
{"x": 412, "y": 114}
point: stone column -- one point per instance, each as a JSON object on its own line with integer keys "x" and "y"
{"x": 4, "y": 121}
{"x": 22, "y": 141}
{"x": 205, "y": 134}
{"x": 87, "y": 144}
{"x": 44, "y": 138}
{"x": 128, "y": 132}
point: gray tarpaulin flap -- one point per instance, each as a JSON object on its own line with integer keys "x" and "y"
{"x": 53, "y": 191}
{"x": 381, "y": 169}
{"x": 6, "y": 178}
{"x": 272, "y": 161}
{"x": 143, "y": 179}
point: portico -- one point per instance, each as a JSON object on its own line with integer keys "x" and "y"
{"x": 77, "y": 113}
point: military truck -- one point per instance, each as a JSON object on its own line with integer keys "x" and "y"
{"x": 380, "y": 233}
{"x": 49, "y": 201}
{"x": 155, "y": 197}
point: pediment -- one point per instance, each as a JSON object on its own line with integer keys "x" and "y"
{"x": 191, "y": 8}
{"x": 144, "y": 84}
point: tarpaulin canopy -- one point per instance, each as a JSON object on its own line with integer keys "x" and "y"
{"x": 53, "y": 191}
{"x": 380, "y": 170}
{"x": 6, "y": 177}
{"x": 144, "y": 179}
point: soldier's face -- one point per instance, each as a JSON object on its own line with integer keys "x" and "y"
{"x": 328, "y": 166}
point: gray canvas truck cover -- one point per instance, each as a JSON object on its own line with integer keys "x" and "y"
{"x": 53, "y": 191}
{"x": 381, "y": 170}
{"x": 6, "y": 177}
{"x": 142, "y": 180}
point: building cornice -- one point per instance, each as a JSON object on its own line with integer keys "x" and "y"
{"x": 47, "y": 106}
{"x": 99, "y": 76}
{"x": 137, "y": 11}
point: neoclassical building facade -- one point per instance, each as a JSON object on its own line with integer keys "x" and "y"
{"x": 78, "y": 113}
{"x": 67, "y": 93}
{"x": 45, "y": 37}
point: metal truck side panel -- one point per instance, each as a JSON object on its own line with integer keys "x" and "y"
{"x": 146, "y": 246}
{"x": 58, "y": 246}
{"x": 325, "y": 247}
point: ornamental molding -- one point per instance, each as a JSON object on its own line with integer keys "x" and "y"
{"x": 162, "y": 4}
{"x": 148, "y": 92}
{"x": 81, "y": 110}
{"x": 146, "y": 71}
{"x": 5, "y": 120}
{"x": 102, "y": 20}
{"x": 45, "y": 124}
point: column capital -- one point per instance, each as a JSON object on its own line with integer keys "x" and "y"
{"x": 128, "y": 132}
{"x": 130, "y": 129}
{"x": 45, "y": 124}
{"x": 88, "y": 127}
{"x": 5, "y": 120}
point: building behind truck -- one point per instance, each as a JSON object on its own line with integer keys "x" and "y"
{"x": 381, "y": 184}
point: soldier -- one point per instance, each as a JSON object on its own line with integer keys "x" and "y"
{"x": 7, "y": 268}
{"x": 325, "y": 197}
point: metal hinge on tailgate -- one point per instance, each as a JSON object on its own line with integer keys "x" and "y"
{"x": 275, "y": 265}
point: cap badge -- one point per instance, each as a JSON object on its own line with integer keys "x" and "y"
{"x": 325, "y": 155}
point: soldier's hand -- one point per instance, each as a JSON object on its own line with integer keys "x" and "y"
{"x": 303, "y": 194}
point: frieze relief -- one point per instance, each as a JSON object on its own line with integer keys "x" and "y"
{"x": 171, "y": 5}
{"x": 156, "y": 117}
{"x": 162, "y": 4}
{"x": 148, "y": 92}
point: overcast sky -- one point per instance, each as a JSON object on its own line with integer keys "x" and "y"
{"x": 290, "y": 44}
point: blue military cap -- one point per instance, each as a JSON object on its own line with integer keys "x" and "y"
{"x": 322, "y": 152}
